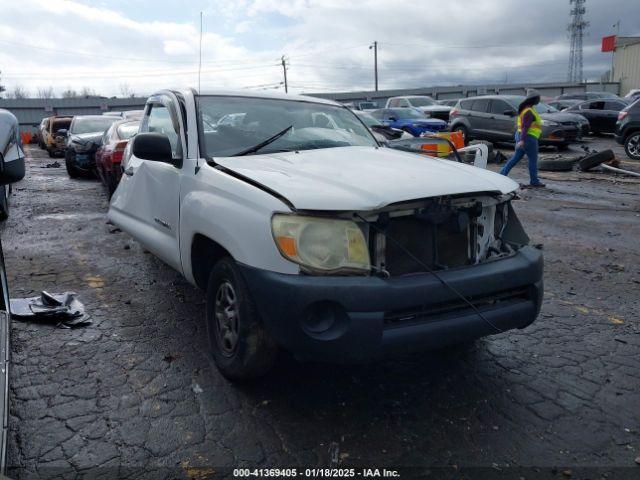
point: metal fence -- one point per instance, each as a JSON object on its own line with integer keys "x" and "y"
{"x": 31, "y": 111}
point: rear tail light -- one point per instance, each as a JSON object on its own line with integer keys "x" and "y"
{"x": 454, "y": 112}
{"x": 622, "y": 114}
{"x": 118, "y": 151}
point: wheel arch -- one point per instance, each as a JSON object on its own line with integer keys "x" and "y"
{"x": 205, "y": 253}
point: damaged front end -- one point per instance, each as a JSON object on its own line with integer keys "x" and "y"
{"x": 411, "y": 276}
{"x": 442, "y": 233}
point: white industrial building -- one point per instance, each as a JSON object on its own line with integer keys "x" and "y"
{"x": 626, "y": 63}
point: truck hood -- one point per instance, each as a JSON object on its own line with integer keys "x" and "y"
{"x": 362, "y": 178}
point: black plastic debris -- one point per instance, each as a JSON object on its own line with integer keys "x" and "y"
{"x": 62, "y": 308}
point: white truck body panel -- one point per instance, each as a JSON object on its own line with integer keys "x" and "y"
{"x": 164, "y": 207}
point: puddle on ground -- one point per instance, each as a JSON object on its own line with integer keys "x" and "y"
{"x": 68, "y": 216}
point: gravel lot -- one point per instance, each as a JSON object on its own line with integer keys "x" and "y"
{"x": 137, "y": 388}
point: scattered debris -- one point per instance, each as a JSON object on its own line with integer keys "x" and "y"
{"x": 55, "y": 164}
{"x": 63, "y": 308}
{"x": 620, "y": 170}
{"x": 169, "y": 358}
{"x": 197, "y": 389}
{"x": 115, "y": 230}
{"x": 499, "y": 157}
{"x": 637, "y": 460}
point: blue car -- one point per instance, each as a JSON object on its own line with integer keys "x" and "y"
{"x": 410, "y": 120}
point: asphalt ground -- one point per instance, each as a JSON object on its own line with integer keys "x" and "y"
{"x": 137, "y": 392}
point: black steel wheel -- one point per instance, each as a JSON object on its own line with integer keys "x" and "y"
{"x": 240, "y": 345}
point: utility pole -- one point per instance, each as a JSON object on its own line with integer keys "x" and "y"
{"x": 374, "y": 47}
{"x": 284, "y": 70}
{"x": 200, "y": 61}
{"x": 613, "y": 52}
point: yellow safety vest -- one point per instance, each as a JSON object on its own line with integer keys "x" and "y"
{"x": 535, "y": 130}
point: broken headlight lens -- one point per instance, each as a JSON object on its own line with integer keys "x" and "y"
{"x": 323, "y": 245}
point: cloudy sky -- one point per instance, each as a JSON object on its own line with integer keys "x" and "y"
{"x": 138, "y": 46}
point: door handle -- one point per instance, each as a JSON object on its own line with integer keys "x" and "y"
{"x": 129, "y": 171}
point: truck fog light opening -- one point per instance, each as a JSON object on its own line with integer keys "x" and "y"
{"x": 325, "y": 320}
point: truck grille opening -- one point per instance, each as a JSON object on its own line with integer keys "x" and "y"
{"x": 439, "y": 246}
{"x": 457, "y": 307}
{"x": 443, "y": 234}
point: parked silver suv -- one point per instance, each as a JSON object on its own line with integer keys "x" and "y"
{"x": 493, "y": 118}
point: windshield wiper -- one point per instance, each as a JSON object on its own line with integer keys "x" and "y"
{"x": 263, "y": 144}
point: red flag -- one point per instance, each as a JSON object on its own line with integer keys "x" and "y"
{"x": 609, "y": 43}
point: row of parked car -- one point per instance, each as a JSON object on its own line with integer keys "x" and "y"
{"x": 566, "y": 118}
{"x": 90, "y": 144}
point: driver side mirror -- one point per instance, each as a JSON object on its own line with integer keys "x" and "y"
{"x": 509, "y": 113}
{"x": 153, "y": 146}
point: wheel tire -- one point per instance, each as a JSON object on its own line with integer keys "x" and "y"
{"x": 4, "y": 203}
{"x": 632, "y": 146}
{"x": 595, "y": 159}
{"x": 465, "y": 133}
{"x": 71, "y": 168}
{"x": 244, "y": 350}
{"x": 50, "y": 153}
{"x": 556, "y": 165}
{"x": 491, "y": 155}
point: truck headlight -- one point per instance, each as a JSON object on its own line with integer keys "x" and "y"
{"x": 324, "y": 245}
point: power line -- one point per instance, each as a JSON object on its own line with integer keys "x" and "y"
{"x": 160, "y": 73}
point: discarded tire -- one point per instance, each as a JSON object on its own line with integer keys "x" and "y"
{"x": 595, "y": 159}
{"x": 556, "y": 165}
{"x": 490, "y": 156}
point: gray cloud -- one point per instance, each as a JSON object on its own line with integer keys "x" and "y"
{"x": 425, "y": 43}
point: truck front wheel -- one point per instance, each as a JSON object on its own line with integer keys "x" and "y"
{"x": 241, "y": 347}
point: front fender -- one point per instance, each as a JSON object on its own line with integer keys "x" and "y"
{"x": 233, "y": 214}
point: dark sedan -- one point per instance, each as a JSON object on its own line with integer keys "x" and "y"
{"x": 84, "y": 138}
{"x": 410, "y": 120}
{"x": 602, "y": 114}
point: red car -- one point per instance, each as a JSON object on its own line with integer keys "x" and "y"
{"x": 109, "y": 155}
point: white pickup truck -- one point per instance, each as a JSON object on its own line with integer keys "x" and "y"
{"x": 309, "y": 236}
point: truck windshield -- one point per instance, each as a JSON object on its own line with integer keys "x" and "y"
{"x": 422, "y": 101}
{"x": 231, "y": 125}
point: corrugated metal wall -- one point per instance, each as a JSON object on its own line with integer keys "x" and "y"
{"x": 626, "y": 68}
{"x": 444, "y": 93}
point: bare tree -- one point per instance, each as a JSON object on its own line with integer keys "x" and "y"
{"x": 69, "y": 93}
{"x": 46, "y": 92}
{"x": 88, "y": 92}
{"x": 18, "y": 92}
{"x": 126, "y": 90}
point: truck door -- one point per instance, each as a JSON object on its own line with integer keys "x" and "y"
{"x": 147, "y": 201}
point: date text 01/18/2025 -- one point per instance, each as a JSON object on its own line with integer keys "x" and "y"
{"x": 316, "y": 472}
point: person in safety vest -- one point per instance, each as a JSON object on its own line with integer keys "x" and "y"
{"x": 527, "y": 135}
